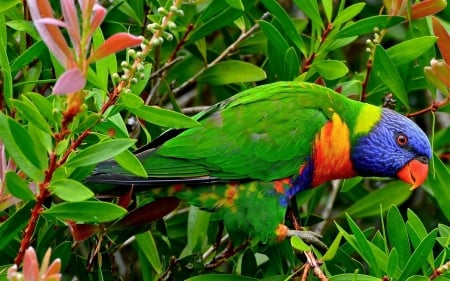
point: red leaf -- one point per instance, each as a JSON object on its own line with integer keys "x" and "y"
{"x": 443, "y": 39}
{"x": 114, "y": 44}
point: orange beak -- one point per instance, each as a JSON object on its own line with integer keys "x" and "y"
{"x": 414, "y": 172}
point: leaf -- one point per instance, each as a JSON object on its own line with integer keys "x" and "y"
{"x": 28, "y": 56}
{"x": 15, "y": 224}
{"x": 419, "y": 255}
{"x": 18, "y": 187}
{"x": 43, "y": 105}
{"x": 348, "y": 13}
{"x": 311, "y": 9}
{"x": 131, "y": 163}
{"x": 292, "y": 65}
{"x": 298, "y": 244}
{"x": 198, "y": 222}
{"x": 86, "y": 211}
{"x": 18, "y": 146}
{"x": 232, "y": 71}
{"x": 330, "y": 69}
{"x": 115, "y": 43}
{"x": 131, "y": 100}
{"x": 393, "y": 269}
{"x": 215, "y": 17}
{"x": 277, "y": 47}
{"x": 367, "y": 25}
{"x": 288, "y": 26}
{"x": 409, "y": 50}
{"x": 99, "y": 152}
{"x": 147, "y": 245}
{"x": 70, "y": 190}
{"x": 364, "y": 246}
{"x": 7, "y": 82}
{"x": 443, "y": 38}
{"x": 333, "y": 248}
{"x": 221, "y": 277}
{"x": 353, "y": 277}
{"x": 163, "y": 117}
{"x": 394, "y": 193}
{"x": 398, "y": 237}
{"x": 439, "y": 184}
{"x": 31, "y": 114}
{"x": 8, "y": 4}
{"x": 386, "y": 71}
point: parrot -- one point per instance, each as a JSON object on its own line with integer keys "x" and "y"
{"x": 253, "y": 152}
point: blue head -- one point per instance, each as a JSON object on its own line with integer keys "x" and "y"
{"x": 396, "y": 147}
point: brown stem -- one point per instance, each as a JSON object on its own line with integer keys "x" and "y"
{"x": 309, "y": 60}
{"x": 366, "y": 80}
{"x": 432, "y": 108}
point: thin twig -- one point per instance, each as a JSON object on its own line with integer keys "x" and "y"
{"x": 231, "y": 48}
{"x": 326, "y": 212}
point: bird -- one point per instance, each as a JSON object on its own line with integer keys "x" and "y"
{"x": 253, "y": 152}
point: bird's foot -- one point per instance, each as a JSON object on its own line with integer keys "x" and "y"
{"x": 309, "y": 237}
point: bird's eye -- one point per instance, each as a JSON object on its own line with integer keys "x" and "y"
{"x": 401, "y": 139}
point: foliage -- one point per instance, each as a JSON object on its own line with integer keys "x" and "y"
{"x": 71, "y": 99}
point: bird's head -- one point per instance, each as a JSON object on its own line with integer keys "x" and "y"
{"x": 395, "y": 147}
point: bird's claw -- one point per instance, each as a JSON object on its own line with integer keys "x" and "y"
{"x": 309, "y": 237}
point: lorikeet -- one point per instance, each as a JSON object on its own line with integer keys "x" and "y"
{"x": 254, "y": 151}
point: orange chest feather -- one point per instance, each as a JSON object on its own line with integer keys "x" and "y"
{"x": 331, "y": 152}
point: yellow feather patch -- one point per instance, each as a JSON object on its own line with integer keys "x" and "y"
{"x": 332, "y": 152}
{"x": 367, "y": 118}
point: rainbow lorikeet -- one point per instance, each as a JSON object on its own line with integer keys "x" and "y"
{"x": 254, "y": 151}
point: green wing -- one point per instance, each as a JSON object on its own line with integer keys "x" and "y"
{"x": 264, "y": 133}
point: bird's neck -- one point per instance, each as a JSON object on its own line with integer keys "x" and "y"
{"x": 331, "y": 152}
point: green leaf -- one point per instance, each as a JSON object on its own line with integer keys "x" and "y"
{"x": 70, "y": 190}
{"x": 298, "y": 244}
{"x": 438, "y": 182}
{"x": 131, "y": 163}
{"x": 384, "y": 68}
{"x": 221, "y": 277}
{"x": 198, "y": 222}
{"x": 393, "y": 269}
{"x": 348, "y": 13}
{"x": 86, "y": 211}
{"x": 18, "y": 146}
{"x": 367, "y": 25}
{"x": 330, "y": 69}
{"x": 232, "y": 71}
{"x": 398, "y": 237}
{"x": 333, "y": 248}
{"x": 43, "y": 105}
{"x": 31, "y": 114}
{"x": 237, "y": 4}
{"x": 99, "y": 152}
{"x": 18, "y": 187}
{"x": 285, "y": 20}
{"x": 328, "y": 8}
{"x": 364, "y": 246}
{"x": 130, "y": 100}
{"x": 311, "y": 9}
{"x": 393, "y": 193}
{"x": 148, "y": 246}
{"x": 15, "y": 224}
{"x": 7, "y": 82}
{"x": 409, "y": 50}
{"x": 353, "y": 277}
{"x": 8, "y": 4}
{"x": 163, "y": 117}
{"x": 138, "y": 87}
{"x": 292, "y": 65}
{"x": 277, "y": 47}
{"x": 216, "y": 16}
{"x": 419, "y": 255}
{"x": 28, "y": 56}
{"x": 416, "y": 230}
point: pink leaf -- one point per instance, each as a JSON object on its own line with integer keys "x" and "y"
{"x": 114, "y": 44}
{"x": 51, "y": 35}
{"x": 70, "y": 81}
{"x": 73, "y": 25}
{"x": 30, "y": 265}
